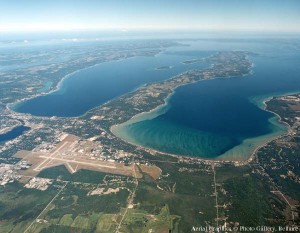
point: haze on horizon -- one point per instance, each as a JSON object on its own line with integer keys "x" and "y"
{"x": 215, "y": 15}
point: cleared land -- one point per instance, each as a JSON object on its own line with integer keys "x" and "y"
{"x": 65, "y": 154}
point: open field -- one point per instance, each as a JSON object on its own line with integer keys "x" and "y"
{"x": 152, "y": 171}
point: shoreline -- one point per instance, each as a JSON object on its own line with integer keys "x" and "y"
{"x": 142, "y": 114}
{"x": 279, "y": 120}
{"x": 220, "y": 158}
{"x": 138, "y": 117}
{"x": 170, "y": 95}
{"x": 8, "y": 129}
{"x": 56, "y": 88}
{"x": 9, "y": 107}
{"x": 24, "y": 129}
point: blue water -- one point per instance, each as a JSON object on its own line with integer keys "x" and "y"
{"x": 14, "y": 133}
{"x": 46, "y": 87}
{"x": 210, "y": 118}
{"x": 206, "y": 119}
{"x": 89, "y": 88}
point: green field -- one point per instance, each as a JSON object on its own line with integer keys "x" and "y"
{"x": 183, "y": 197}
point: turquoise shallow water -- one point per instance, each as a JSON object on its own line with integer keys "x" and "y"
{"x": 221, "y": 118}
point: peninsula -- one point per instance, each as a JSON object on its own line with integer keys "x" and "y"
{"x": 154, "y": 95}
{"x": 150, "y": 96}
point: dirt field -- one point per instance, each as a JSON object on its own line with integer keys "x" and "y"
{"x": 152, "y": 171}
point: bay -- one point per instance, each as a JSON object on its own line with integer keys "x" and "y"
{"x": 14, "y": 133}
{"x": 215, "y": 119}
{"x": 222, "y": 118}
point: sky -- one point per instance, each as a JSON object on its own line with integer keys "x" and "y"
{"x": 128, "y": 15}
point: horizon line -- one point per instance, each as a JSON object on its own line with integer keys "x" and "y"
{"x": 166, "y": 30}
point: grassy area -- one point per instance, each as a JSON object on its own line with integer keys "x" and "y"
{"x": 139, "y": 221}
{"x": 66, "y": 220}
{"x": 75, "y": 200}
{"x": 187, "y": 194}
{"x": 84, "y": 176}
{"x": 163, "y": 222}
{"x": 183, "y": 197}
{"x": 20, "y": 206}
{"x": 82, "y": 222}
{"x": 106, "y": 223}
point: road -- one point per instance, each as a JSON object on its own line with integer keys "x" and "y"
{"x": 129, "y": 201}
{"x": 28, "y": 228}
{"x": 216, "y": 194}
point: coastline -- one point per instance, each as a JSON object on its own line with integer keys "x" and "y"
{"x": 147, "y": 115}
{"x": 278, "y": 120}
{"x": 12, "y": 130}
{"x": 249, "y": 146}
{"x": 10, "y": 107}
{"x": 58, "y": 86}
{"x": 8, "y": 129}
